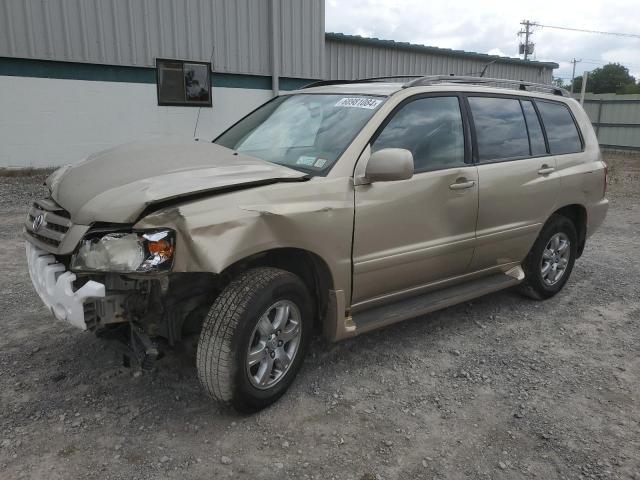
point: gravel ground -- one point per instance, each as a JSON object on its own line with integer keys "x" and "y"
{"x": 501, "y": 387}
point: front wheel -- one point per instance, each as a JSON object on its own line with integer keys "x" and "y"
{"x": 550, "y": 261}
{"x": 254, "y": 338}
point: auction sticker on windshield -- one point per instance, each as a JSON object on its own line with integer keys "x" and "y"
{"x": 358, "y": 102}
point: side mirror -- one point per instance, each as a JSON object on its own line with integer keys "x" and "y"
{"x": 389, "y": 164}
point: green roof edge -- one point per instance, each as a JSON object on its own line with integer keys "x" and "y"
{"x": 436, "y": 50}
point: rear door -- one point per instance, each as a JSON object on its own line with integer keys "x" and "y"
{"x": 518, "y": 182}
{"x": 414, "y": 232}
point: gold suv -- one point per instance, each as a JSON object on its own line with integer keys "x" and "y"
{"x": 340, "y": 208}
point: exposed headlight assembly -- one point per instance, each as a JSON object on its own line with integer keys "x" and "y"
{"x": 126, "y": 252}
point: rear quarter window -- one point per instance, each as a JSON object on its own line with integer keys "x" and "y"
{"x": 562, "y": 132}
{"x": 536, "y": 137}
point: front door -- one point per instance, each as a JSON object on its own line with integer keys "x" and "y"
{"x": 413, "y": 232}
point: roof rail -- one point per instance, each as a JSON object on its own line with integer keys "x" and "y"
{"x": 495, "y": 82}
{"x": 321, "y": 83}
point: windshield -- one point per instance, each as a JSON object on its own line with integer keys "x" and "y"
{"x": 307, "y": 132}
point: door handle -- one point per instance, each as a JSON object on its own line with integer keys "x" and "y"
{"x": 461, "y": 185}
{"x": 546, "y": 170}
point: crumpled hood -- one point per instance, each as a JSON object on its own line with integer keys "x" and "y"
{"x": 118, "y": 184}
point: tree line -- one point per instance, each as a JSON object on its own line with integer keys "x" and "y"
{"x": 610, "y": 78}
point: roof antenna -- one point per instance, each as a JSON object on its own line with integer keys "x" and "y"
{"x": 195, "y": 129}
{"x": 484, "y": 70}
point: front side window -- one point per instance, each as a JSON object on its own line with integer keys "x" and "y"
{"x": 562, "y": 132}
{"x": 500, "y": 129}
{"x": 306, "y": 132}
{"x": 183, "y": 83}
{"x": 431, "y": 129}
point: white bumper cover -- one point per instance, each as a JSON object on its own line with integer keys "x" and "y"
{"x": 55, "y": 286}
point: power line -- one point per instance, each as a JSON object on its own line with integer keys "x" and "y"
{"x": 583, "y": 30}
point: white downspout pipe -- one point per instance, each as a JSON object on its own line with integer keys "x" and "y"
{"x": 275, "y": 50}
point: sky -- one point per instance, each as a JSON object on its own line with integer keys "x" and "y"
{"x": 491, "y": 27}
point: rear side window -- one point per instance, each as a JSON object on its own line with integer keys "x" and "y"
{"x": 500, "y": 129}
{"x": 536, "y": 138}
{"x": 562, "y": 132}
{"x": 431, "y": 129}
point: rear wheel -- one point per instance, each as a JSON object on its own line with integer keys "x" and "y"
{"x": 550, "y": 261}
{"x": 255, "y": 337}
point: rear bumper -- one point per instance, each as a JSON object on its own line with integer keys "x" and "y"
{"x": 595, "y": 215}
{"x": 54, "y": 285}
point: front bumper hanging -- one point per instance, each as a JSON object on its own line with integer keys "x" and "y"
{"x": 54, "y": 285}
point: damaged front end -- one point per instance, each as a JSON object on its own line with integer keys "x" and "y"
{"x": 116, "y": 282}
{"x": 139, "y": 317}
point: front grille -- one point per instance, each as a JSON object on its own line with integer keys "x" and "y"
{"x": 52, "y": 225}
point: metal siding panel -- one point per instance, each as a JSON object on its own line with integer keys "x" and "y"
{"x": 252, "y": 30}
{"x": 135, "y": 32}
{"x": 147, "y": 43}
{"x": 591, "y": 110}
{"x": 296, "y": 33}
{"x": 204, "y": 35}
{"x": 288, "y": 17}
{"x": 619, "y": 112}
{"x": 621, "y": 136}
{"x": 305, "y": 12}
{"x": 284, "y": 38}
{"x": 46, "y": 35}
{"x": 7, "y": 35}
{"x": 319, "y": 34}
{"x": 302, "y": 34}
{"x": 190, "y": 39}
{"x": 132, "y": 52}
{"x": 347, "y": 60}
{"x": 260, "y": 58}
{"x": 220, "y": 22}
{"x": 242, "y": 27}
{"x": 32, "y": 23}
{"x": 78, "y": 30}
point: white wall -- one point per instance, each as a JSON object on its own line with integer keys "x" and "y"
{"x": 50, "y": 122}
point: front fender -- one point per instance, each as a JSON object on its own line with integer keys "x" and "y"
{"x": 216, "y": 232}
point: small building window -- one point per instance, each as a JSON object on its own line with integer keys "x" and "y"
{"x": 183, "y": 83}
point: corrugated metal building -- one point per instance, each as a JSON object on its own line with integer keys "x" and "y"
{"x": 236, "y": 36}
{"x": 78, "y": 76}
{"x": 348, "y": 56}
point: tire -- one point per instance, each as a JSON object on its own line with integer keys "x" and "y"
{"x": 536, "y": 284}
{"x": 235, "y": 323}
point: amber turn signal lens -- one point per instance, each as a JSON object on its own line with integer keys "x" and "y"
{"x": 162, "y": 248}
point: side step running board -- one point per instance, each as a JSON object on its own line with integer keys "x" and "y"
{"x": 415, "y": 306}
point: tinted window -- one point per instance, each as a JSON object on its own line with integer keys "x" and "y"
{"x": 500, "y": 129}
{"x": 561, "y": 130}
{"x": 431, "y": 128}
{"x": 536, "y": 138}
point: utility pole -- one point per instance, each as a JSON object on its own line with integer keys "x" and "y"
{"x": 573, "y": 73}
{"x": 526, "y": 38}
{"x": 585, "y": 75}
{"x": 527, "y": 48}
